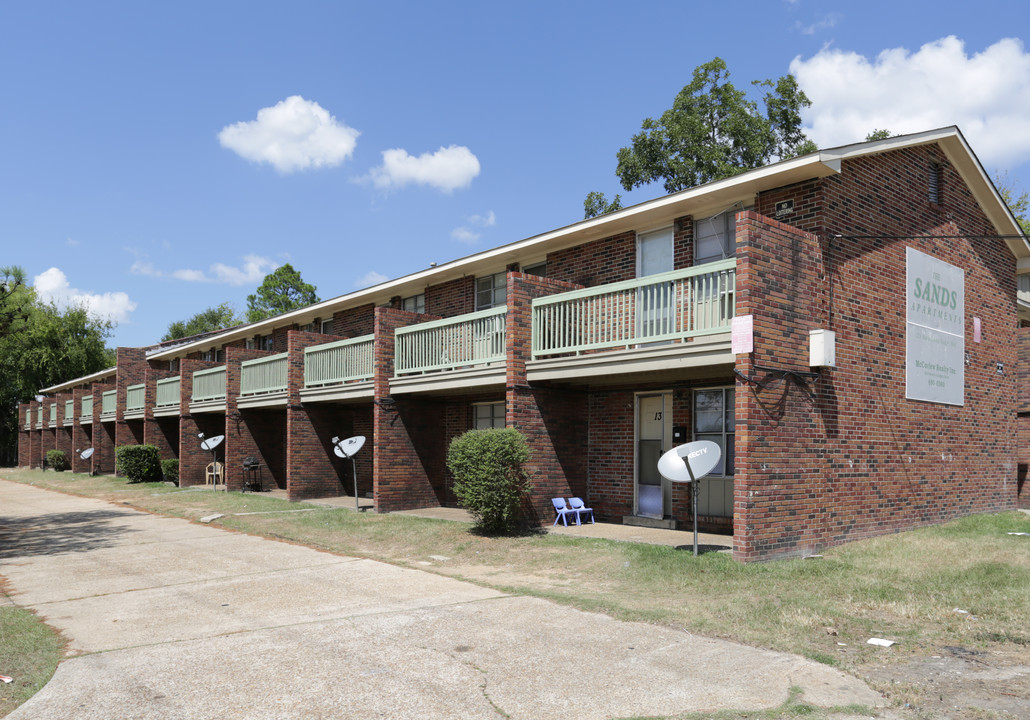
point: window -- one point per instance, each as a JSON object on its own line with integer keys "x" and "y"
{"x": 491, "y": 291}
{"x": 488, "y": 415}
{"x": 209, "y": 355}
{"x": 327, "y": 327}
{"x": 714, "y": 420}
{"x": 250, "y": 343}
{"x": 714, "y": 238}
{"x": 539, "y": 269}
{"x": 310, "y": 327}
{"x": 265, "y": 343}
{"x": 415, "y": 303}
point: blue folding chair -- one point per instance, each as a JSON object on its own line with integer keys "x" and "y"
{"x": 563, "y": 511}
{"x": 580, "y": 508}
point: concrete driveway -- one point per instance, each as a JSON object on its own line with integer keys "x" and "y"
{"x": 169, "y": 619}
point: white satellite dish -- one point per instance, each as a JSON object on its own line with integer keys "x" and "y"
{"x": 703, "y": 456}
{"x": 86, "y": 454}
{"x": 688, "y": 464}
{"x": 212, "y": 442}
{"x": 348, "y": 449}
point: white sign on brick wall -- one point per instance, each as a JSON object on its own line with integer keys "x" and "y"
{"x": 935, "y": 330}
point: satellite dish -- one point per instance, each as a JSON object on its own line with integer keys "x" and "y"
{"x": 703, "y": 456}
{"x": 86, "y": 454}
{"x": 212, "y": 442}
{"x": 349, "y": 447}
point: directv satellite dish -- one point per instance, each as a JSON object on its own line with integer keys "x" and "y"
{"x": 86, "y": 454}
{"x": 348, "y": 449}
{"x": 212, "y": 442}
{"x": 688, "y": 464}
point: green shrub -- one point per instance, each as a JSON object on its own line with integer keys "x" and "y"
{"x": 170, "y": 470}
{"x": 489, "y": 480}
{"x": 139, "y": 463}
{"x": 57, "y": 460}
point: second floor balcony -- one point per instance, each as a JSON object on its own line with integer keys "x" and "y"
{"x": 208, "y": 390}
{"x": 263, "y": 381}
{"x": 134, "y": 400}
{"x": 340, "y": 370}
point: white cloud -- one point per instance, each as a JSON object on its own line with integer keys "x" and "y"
{"x": 143, "y": 267}
{"x": 369, "y": 279}
{"x": 448, "y": 169}
{"x": 295, "y": 134}
{"x": 466, "y": 234}
{"x": 252, "y": 272}
{"x": 986, "y": 94}
{"x": 53, "y": 286}
{"x": 71, "y": 242}
{"x": 828, "y": 22}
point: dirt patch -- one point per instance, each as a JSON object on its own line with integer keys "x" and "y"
{"x": 959, "y": 683}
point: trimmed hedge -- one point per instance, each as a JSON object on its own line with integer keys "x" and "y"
{"x": 139, "y": 463}
{"x": 489, "y": 480}
{"x": 57, "y": 460}
{"x": 170, "y": 470}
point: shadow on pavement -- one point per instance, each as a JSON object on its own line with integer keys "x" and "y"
{"x": 58, "y": 533}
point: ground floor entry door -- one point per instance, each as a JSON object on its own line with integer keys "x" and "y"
{"x": 654, "y": 437}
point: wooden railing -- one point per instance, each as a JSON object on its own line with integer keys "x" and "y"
{"x": 659, "y": 308}
{"x": 339, "y": 362}
{"x": 53, "y": 414}
{"x": 135, "y": 396}
{"x": 168, "y": 391}
{"x": 209, "y": 384}
{"x": 108, "y": 403}
{"x": 87, "y": 407}
{"x": 69, "y": 410}
{"x": 263, "y": 375}
{"x": 474, "y": 339}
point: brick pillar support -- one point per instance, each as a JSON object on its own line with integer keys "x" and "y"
{"x": 82, "y": 435}
{"x": 258, "y": 433}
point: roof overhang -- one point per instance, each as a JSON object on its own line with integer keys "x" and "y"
{"x": 87, "y": 380}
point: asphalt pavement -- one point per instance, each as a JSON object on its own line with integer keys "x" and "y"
{"x": 169, "y": 619}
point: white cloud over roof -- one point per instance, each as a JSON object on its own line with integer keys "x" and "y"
{"x": 295, "y": 134}
{"x": 52, "y": 286}
{"x": 447, "y": 169}
{"x": 986, "y": 94}
{"x": 251, "y": 272}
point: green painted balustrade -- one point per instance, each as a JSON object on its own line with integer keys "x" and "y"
{"x": 28, "y": 419}
{"x": 658, "y": 308}
{"x": 108, "y": 403}
{"x": 69, "y": 410}
{"x": 39, "y": 416}
{"x": 209, "y": 384}
{"x": 473, "y": 339}
{"x": 135, "y": 397}
{"x": 53, "y": 414}
{"x": 87, "y": 407}
{"x": 263, "y": 375}
{"x": 167, "y": 392}
{"x": 339, "y": 362}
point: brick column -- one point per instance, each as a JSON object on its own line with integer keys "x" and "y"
{"x": 82, "y": 435}
{"x": 258, "y": 433}
{"x": 24, "y": 437}
{"x": 192, "y": 460}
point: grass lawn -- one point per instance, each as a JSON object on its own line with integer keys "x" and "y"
{"x": 906, "y": 587}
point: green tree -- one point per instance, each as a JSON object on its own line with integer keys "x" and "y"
{"x": 597, "y": 204}
{"x": 214, "y": 318}
{"x": 281, "y": 291}
{"x": 41, "y": 346}
{"x": 1018, "y": 200}
{"x": 879, "y": 135}
{"x": 714, "y": 131}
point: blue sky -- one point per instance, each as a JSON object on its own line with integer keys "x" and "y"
{"x": 160, "y": 158}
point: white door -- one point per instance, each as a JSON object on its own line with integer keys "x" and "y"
{"x": 654, "y": 436}
{"x": 655, "y": 302}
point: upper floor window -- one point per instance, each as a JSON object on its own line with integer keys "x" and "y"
{"x": 539, "y": 268}
{"x": 327, "y": 327}
{"x": 265, "y": 342}
{"x": 415, "y": 303}
{"x": 491, "y": 291}
{"x": 714, "y": 238}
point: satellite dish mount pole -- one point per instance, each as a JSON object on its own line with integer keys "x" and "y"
{"x": 694, "y": 484}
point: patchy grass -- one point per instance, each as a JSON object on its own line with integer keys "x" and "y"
{"x": 903, "y": 587}
{"x": 29, "y": 653}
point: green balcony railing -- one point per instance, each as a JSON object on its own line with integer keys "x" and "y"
{"x": 168, "y": 391}
{"x": 658, "y": 308}
{"x": 87, "y": 407}
{"x": 209, "y": 384}
{"x": 53, "y": 414}
{"x": 39, "y": 416}
{"x": 473, "y": 339}
{"x": 263, "y": 375}
{"x": 69, "y": 410}
{"x": 339, "y": 362}
{"x": 108, "y": 403}
{"x": 28, "y": 419}
{"x": 135, "y": 397}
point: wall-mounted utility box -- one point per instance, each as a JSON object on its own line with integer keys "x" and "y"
{"x": 822, "y": 348}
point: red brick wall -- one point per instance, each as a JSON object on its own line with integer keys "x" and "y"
{"x": 847, "y": 456}
{"x": 612, "y": 259}
{"x": 103, "y": 432}
{"x": 132, "y": 370}
{"x": 448, "y": 299}
{"x": 255, "y": 432}
{"x": 193, "y": 461}
{"x": 353, "y": 322}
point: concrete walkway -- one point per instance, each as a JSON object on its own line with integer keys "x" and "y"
{"x": 168, "y": 619}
